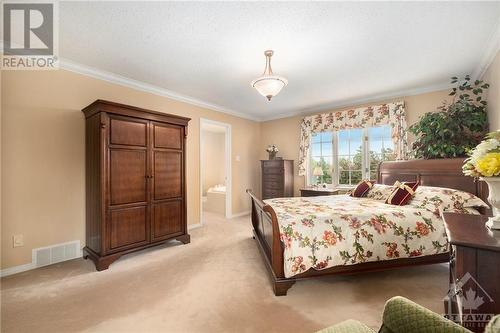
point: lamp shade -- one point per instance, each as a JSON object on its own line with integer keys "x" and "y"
{"x": 268, "y": 84}
{"x": 317, "y": 171}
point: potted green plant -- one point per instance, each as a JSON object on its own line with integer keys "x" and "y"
{"x": 457, "y": 127}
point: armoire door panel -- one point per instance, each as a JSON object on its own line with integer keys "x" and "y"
{"x": 167, "y": 166}
{"x": 127, "y": 176}
{"x": 127, "y": 227}
{"x": 128, "y": 132}
{"x": 167, "y": 219}
{"x": 167, "y": 136}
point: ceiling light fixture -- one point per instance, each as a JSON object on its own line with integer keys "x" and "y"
{"x": 269, "y": 85}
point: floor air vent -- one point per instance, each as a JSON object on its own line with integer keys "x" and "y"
{"x": 48, "y": 255}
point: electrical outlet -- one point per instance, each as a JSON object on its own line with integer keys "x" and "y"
{"x": 17, "y": 240}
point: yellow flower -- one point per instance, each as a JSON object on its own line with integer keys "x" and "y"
{"x": 489, "y": 165}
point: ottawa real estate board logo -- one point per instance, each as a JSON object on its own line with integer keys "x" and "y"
{"x": 30, "y": 35}
{"x": 468, "y": 303}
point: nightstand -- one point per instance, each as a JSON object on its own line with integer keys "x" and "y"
{"x": 316, "y": 192}
{"x": 474, "y": 270}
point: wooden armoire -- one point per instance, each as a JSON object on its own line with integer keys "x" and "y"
{"x": 135, "y": 180}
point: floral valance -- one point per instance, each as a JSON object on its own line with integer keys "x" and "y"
{"x": 377, "y": 115}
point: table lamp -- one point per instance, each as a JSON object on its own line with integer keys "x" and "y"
{"x": 318, "y": 172}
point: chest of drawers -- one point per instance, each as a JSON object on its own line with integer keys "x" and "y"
{"x": 277, "y": 178}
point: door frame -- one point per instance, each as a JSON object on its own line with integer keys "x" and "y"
{"x": 227, "y": 165}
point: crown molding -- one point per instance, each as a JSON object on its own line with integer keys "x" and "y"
{"x": 72, "y": 66}
{"x": 355, "y": 102}
{"x": 490, "y": 52}
{"x": 75, "y": 67}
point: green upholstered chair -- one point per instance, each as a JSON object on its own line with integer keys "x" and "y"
{"x": 403, "y": 316}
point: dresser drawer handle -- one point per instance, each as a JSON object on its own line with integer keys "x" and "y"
{"x": 452, "y": 259}
{"x": 458, "y": 291}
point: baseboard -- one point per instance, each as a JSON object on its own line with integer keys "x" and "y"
{"x": 17, "y": 269}
{"x": 240, "y": 214}
{"x": 194, "y": 226}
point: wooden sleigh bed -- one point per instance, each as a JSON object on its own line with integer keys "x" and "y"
{"x": 442, "y": 173}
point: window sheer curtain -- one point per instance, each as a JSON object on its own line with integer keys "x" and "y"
{"x": 384, "y": 114}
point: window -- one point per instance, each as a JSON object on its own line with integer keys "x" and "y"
{"x": 381, "y": 148}
{"x": 322, "y": 156}
{"x": 351, "y": 155}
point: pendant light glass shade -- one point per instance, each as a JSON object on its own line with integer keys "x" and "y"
{"x": 269, "y": 85}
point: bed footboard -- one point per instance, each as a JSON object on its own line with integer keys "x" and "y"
{"x": 267, "y": 234}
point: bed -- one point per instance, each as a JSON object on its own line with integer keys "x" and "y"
{"x": 285, "y": 269}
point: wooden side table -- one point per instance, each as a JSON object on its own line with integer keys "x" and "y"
{"x": 316, "y": 192}
{"x": 474, "y": 270}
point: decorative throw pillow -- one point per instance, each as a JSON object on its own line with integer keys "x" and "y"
{"x": 441, "y": 199}
{"x": 362, "y": 188}
{"x": 402, "y": 193}
{"x": 380, "y": 192}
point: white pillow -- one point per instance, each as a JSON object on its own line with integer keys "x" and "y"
{"x": 441, "y": 199}
{"x": 380, "y": 192}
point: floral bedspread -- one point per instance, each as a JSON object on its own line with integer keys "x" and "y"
{"x": 327, "y": 231}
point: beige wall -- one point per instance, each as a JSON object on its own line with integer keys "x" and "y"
{"x": 285, "y": 132}
{"x": 492, "y": 76}
{"x": 43, "y": 155}
{"x": 213, "y": 159}
{"x": 42, "y": 150}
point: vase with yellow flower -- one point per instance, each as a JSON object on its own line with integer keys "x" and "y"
{"x": 484, "y": 163}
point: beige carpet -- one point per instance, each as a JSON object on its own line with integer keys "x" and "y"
{"x": 218, "y": 283}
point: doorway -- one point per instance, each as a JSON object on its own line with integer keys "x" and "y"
{"x": 215, "y": 168}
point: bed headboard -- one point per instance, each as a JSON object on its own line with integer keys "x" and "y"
{"x": 439, "y": 172}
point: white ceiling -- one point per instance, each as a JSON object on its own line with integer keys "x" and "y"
{"x": 332, "y": 53}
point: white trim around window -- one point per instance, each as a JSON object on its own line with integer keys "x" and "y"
{"x": 383, "y": 140}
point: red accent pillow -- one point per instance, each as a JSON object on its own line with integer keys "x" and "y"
{"x": 402, "y": 193}
{"x": 362, "y": 188}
